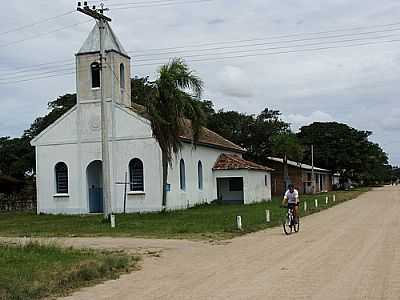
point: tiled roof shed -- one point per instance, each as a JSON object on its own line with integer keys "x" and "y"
{"x": 235, "y": 162}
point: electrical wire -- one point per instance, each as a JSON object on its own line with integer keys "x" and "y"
{"x": 148, "y": 52}
{"x": 43, "y": 33}
{"x": 231, "y": 57}
{"x": 270, "y": 48}
{"x": 162, "y": 4}
{"x": 272, "y": 37}
{"x": 36, "y": 23}
{"x": 278, "y": 53}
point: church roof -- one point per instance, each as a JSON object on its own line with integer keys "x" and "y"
{"x": 111, "y": 42}
{"x": 235, "y": 162}
{"x": 206, "y": 137}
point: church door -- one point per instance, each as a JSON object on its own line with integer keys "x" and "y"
{"x": 95, "y": 186}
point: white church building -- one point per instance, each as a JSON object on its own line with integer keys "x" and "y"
{"x": 69, "y": 157}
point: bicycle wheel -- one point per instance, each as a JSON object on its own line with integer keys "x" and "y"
{"x": 287, "y": 226}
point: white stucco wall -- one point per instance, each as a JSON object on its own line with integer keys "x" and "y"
{"x": 192, "y": 195}
{"x": 131, "y": 139}
{"x": 254, "y": 187}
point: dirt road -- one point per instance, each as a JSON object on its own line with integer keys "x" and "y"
{"x": 351, "y": 251}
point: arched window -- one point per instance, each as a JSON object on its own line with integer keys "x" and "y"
{"x": 95, "y": 70}
{"x": 122, "y": 76}
{"x": 61, "y": 171}
{"x": 136, "y": 175}
{"x": 182, "y": 175}
{"x": 200, "y": 175}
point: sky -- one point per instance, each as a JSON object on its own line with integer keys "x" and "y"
{"x": 358, "y": 86}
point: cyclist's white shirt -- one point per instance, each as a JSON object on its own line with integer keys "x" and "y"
{"x": 292, "y": 197}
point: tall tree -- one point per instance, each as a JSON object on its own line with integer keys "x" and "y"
{"x": 251, "y": 132}
{"x": 287, "y": 146}
{"x": 344, "y": 149}
{"x": 168, "y": 103}
{"x": 17, "y": 155}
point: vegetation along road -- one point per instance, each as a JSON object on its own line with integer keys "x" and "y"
{"x": 351, "y": 251}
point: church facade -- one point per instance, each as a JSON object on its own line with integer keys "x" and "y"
{"x": 69, "y": 159}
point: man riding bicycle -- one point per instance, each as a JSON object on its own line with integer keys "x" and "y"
{"x": 292, "y": 199}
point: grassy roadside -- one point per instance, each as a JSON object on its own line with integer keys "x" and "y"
{"x": 204, "y": 222}
{"x": 35, "y": 271}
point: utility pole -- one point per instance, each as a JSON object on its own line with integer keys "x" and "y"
{"x": 101, "y": 19}
{"x": 312, "y": 169}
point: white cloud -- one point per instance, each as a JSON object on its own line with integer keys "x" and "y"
{"x": 235, "y": 82}
{"x": 299, "y": 120}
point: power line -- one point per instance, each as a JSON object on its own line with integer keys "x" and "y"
{"x": 272, "y": 37}
{"x": 276, "y": 48}
{"x": 42, "y": 34}
{"x": 162, "y": 4}
{"x": 140, "y": 2}
{"x": 51, "y": 65}
{"x": 35, "y": 69}
{"x": 242, "y": 41}
{"x": 279, "y": 52}
{"x": 232, "y": 57}
{"x": 36, "y": 23}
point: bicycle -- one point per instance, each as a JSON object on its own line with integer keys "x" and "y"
{"x": 289, "y": 223}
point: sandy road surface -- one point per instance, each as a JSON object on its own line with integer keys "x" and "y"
{"x": 351, "y": 251}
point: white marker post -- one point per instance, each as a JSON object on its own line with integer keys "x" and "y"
{"x": 305, "y": 206}
{"x": 316, "y": 203}
{"x": 334, "y": 198}
{"x": 239, "y": 222}
{"x": 268, "y": 216}
{"x": 112, "y": 219}
{"x": 326, "y": 200}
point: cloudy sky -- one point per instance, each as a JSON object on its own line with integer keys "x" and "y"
{"x": 358, "y": 85}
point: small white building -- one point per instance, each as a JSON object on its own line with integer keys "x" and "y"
{"x": 69, "y": 159}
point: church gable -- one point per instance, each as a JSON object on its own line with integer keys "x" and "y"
{"x": 62, "y": 131}
{"x": 130, "y": 124}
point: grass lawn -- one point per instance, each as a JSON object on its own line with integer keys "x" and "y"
{"x": 204, "y": 222}
{"x": 36, "y": 271}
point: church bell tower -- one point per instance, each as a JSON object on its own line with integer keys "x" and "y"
{"x": 116, "y": 70}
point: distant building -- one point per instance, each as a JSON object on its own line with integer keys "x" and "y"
{"x": 69, "y": 156}
{"x": 301, "y": 176}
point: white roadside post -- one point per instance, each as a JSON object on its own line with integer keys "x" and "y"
{"x": 239, "y": 222}
{"x": 326, "y": 200}
{"x": 112, "y": 219}
{"x": 305, "y": 206}
{"x": 334, "y": 198}
{"x": 268, "y": 216}
{"x": 316, "y": 203}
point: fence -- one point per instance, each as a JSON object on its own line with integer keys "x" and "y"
{"x": 24, "y": 200}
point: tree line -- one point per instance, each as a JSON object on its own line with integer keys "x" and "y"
{"x": 337, "y": 147}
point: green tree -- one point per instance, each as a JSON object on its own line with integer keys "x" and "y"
{"x": 17, "y": 154}
{"x": 251, "y": 132}
{"x": 341, "y": 148}
{"x": 168, "y": 104}
{"x": 287, "y": 146}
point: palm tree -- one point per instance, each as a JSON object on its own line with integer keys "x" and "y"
{"x": 172, "y": 105}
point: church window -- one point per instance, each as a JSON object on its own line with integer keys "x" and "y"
{"x": 95, "y": 70}
{"x": 61, "y": 170}
{"x": 136, "y": 175}
{"x": 122, "y": 76}
{"x": 182, "y": 175}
